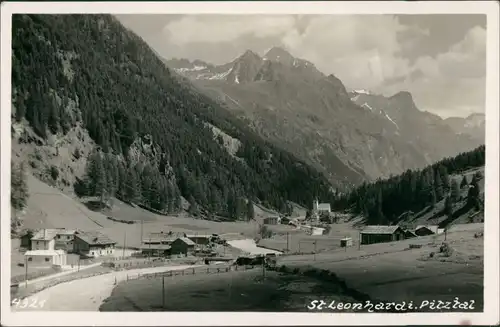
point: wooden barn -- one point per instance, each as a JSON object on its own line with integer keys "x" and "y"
{"x": 381, "y": 234}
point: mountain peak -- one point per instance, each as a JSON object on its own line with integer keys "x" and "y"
{"x": 404, "y": 98}
{"x": 280, "y": 55}
{"x": 249, "y": 54}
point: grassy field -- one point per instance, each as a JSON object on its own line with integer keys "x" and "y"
{"x": 233, "y": 291}
{"x": 393, "y": 272}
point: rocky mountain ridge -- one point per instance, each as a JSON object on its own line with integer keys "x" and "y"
{"x": 349, "y": 136}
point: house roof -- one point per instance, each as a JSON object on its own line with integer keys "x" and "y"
{"x": 45, "y": 235}
{"x": 95, "y": 238}
{"x": 198, "y": 236}
{"x": 410, "y": 232}
{"x": 63, "y": 231}
{"x": 432, "y": 228}
{"x": 376, "y": 229}
{"x": 186, "y": 240}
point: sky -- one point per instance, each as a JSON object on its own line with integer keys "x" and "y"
{"x": 440, "y": 59}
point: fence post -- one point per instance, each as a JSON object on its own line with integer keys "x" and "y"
{"x": 182, "y": 272}
{"x": 127, "y": 276}
{"x": 208, "y": 272}
{"x": 193, "y": 271}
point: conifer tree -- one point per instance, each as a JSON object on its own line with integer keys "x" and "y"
{"x": 455, "y": 191}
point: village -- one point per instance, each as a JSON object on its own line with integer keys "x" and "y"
{"x": 47, "y": 251}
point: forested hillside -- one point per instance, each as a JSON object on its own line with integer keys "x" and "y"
{"x": 384, "y": 201}
{"x": 89, "y": 71}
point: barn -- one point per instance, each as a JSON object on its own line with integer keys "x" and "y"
{"x": 380, "y": 234}
{"x": 182, "y": 245}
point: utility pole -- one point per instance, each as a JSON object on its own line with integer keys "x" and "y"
{"x": 142, "y": 231}
{"x": 264, "y": 267}
{"x": 124, "y": 243}
{"x": 359, "y": 242}
{"x": 163, "y": 292}
{"x": 345, "y": 243}
{"x": 287, "y": 243}
{"x": 315, "y": 242}
{"x": 26, "y": 274}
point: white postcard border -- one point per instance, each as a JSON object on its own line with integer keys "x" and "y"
{"x": 490, "y": 316}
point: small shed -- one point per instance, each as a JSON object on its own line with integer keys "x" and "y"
{"x": 380, "y": 234}
{"x": 409, "y": 234}
{"x": 424, "y": 230}
{"x": 346, "y": 242}
{"x": 182, "y": 245}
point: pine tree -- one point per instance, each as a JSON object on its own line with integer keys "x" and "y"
{"x": 455, "y": 191}
{"x": 132, "y": 186}
{"x": 448, "y": 206}
{"x": 193, "y": 207}
{"x": 95, "y": 176}
{"x": 250, "y": 211}
{"x": 433, "y": 198}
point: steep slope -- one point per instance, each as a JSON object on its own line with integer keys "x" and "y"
{"x": 350, "y": 136}
{"x": 89, "y": 72}
{"x": 447, "y": 192}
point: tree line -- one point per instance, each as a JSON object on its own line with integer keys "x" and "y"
{"x": 88, "y": 69}
{"x": 384, "y": 201}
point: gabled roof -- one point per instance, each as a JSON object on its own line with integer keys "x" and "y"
{"x": 198, "y": 236}
{"x": 407, "y": 231}
{"x": 376, "y": 229}
{"x": 432, "y": 228}
{"x": 63, "y": 231}
{"x": 47, "y": 234}
{"x": 186, "y": 240}
{"x": 95, "y": 238}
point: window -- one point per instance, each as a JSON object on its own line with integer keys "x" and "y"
{"x": 47, "y": 259}
{"x": 30, "y": 259}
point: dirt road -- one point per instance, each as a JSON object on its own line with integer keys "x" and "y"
{"x": 84, "y": 294}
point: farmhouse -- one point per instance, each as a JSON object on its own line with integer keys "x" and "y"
{"x": 44, "y": 239}
{"x": 64, "y": 240}
{"x": 45, "y": 258}
{"x": 94, "y": 244}
{"x": 381, "y": 234}
{"x": 182, "y": 245}
{"x": 272, "y": 220}
{"x": 424, "y": 230}
{"x": 156, "y": 250}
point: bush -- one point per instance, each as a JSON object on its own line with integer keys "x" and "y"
{"x": 54, "y": 172}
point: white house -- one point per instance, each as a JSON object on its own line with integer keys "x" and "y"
{"x": 320, "y": 208}
{"x": 44, "y": 239}
{"x": 94, "y": 244}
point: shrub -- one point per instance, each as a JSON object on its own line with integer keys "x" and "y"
{"x": 54, "y": 172}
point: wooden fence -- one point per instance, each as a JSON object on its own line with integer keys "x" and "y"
{"x": 190, "y": 271}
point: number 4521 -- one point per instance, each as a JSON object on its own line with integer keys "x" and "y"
{"x": 28, "y": 303}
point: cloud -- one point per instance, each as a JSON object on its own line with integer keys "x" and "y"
{"x": 384, "y": 53}
{"x": 218, "y": 28}
{"x": 453, "y": 82}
